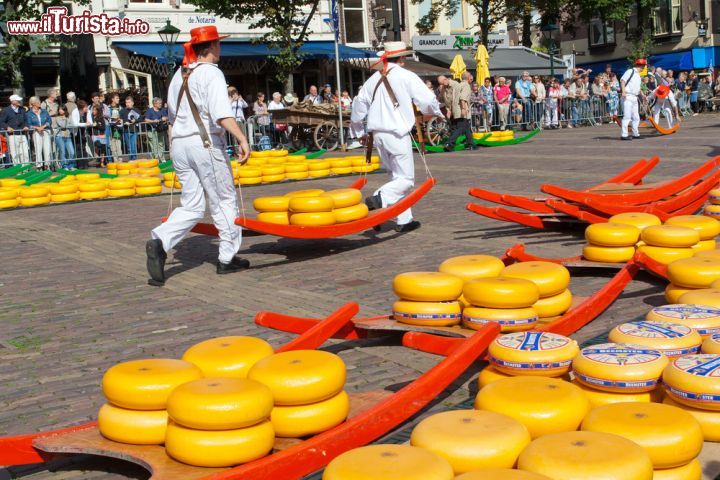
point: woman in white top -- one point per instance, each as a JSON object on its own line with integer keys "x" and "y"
{"x": 278, "y": 128}
{"x": 237, "y": 104}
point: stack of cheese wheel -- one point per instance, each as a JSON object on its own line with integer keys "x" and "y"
{"x": 427, "y": 298}
{"x": 61, "y": 193}
{"x": 670, "y": 339}
{"x": 250, "y": 174}
{"x": 640, "y": 220}
{"x": 552, "y": 280}
{"x": 137, "y": 392}
{"x": 667, "y": 243}
{"x": 622, "y": 372}
{"x": 121, "y": 187}
{"x": 296, "y": 168}
{"x": 34, "y": 195}
{"x": 318, "y": 168}
{"x": 500, "y": 136}
{"x": 544, "y": 405}
{"x": 112, "y": 168}
{"x": 9, "y": 197}
{"x": 672, "y": 437}
{"x": 128, "y": 168}
{"x": 273, "y": 209}
{"x": 307, "y": 387}
{"x": 610, "y": 242}
{"x": 341, "y": 166}
{"x": 272, "y": 173}
{"x": 230, "y": 357}
{"x": 388, "y": 462}
{"x": 707, "y": 228}
{"x": 312, "y": 211}
{"x": 504, "y": 300}
{"x": 712, "y": 210}
{"x": 219, "y": 422}
{"x": 347, "y": 204}
{"x": 698, "y": 272}
{"x": 170, "y": 180}
{"x": 472, "y": 439}
{"x": 360, "y": 165}
{"x": 470, "y": 267}
{"x": 701, "y": 318}
{"x": 149, "y": 185}
{"x": 148, "y": 168}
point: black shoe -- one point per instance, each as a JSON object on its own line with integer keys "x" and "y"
{"x": 407, "y": 227}
{"x": 156, "y": 257}
{"x": 235, "y": 265}
{"x": 636, "y": 136}
{"x": 374, "y": 202}
{"x": 626, "y": 138}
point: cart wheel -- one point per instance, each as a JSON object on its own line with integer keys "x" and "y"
{"x": 436, "y": 130}
{"x": 326, "y": 136}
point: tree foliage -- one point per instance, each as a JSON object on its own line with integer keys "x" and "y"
{"x": 286, "y": 23}
{"x": 489, "y": 13}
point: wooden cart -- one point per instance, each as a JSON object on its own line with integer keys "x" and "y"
{"x": 312, "y": 128}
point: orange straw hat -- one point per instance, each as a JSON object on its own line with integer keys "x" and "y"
{"x": 662, "y": 91}
{"x": 199, "y": 35}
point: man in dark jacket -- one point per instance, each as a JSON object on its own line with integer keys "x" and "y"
{"x": 12, "y": 121}
{"x": 130, "y": 117}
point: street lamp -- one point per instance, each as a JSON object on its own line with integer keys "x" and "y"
{"x": 547, "y": 31}
{"x": 169, "y": 35}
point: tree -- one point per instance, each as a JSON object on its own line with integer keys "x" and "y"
{"x": 287, "y": 23}
{"x": 489, "y": 12}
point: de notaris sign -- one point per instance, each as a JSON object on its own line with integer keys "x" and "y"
{"x": 456, "y": 42}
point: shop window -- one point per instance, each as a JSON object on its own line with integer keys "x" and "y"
{"x": 667, "y": 17}
{"x": 602, "y": 33}
{"x": 354, "y": 17}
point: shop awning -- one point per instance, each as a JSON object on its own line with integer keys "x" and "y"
{"x": 503, "y": 61}
{"x": 701, "y": 57}
{"x": 248, "y": 50}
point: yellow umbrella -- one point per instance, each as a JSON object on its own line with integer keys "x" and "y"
{"x": 457, "y": 67}
{"x": 482, "y": 58}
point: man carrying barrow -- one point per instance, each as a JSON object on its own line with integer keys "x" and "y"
{"x": 386, "y": 100}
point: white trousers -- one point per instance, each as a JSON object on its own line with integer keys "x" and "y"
{"x": 203, "y": 171}
{"x": 396, "y": 154}
{"x": 42, "y": 148}
{"x": 663, "y": 106}
{"x": 19, "y": 148}
{"x": 630, "y": 115}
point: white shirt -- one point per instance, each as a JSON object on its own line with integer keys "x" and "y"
{"x": 75, "y": 118}
{"x": 237, "y": 108}
{"x": 382, "y": 116}
{"x": 273, "y": 105}
{"x": 208, "y": 89}
{"x": 632, "y": 82}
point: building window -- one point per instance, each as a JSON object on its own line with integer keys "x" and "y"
{"x": 667, "y": 17}
{"x": 457, "y": 21}
{"x": 354, "y": 17}
{"x": 602, "y": 33}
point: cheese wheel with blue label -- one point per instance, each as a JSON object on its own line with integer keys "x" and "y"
{"x": 430, "y": 314}
{"x": 711, "y": 344}
{"x": 704, "y": 319}
{"x": 694, "y": 380}
{"x": 615, "y": 367}
{"x": 671, "y": 339}
{"x": 509, "y": 319}
{"x": 533, "y": 353}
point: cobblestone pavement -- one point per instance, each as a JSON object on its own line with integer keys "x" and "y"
{"x": 74, "y": 298}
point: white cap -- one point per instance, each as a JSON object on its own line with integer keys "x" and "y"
{"x": 16, "y": 98}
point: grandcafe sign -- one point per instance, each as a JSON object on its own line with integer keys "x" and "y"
{"x": 455, "y": 42}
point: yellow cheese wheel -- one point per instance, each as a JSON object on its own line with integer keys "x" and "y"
{"x": 300, "y": 377}
{"x": 295, "y": 168}
{"x": 666, "y": 255}
{"x": 695, "y": 272}
{"x": 170, "y": 176}
{"x": 146, "y": 384}
{"x": 280, "y": 218}
{"x": 509, "y": 319}
{"x": 83, "y": 177}
{"x": 599, "y": 398}
{"x": 303, "y": 420}
{"x": 673, "y": 293}
{"x": 260, "y": 154}
{"x": 318, "y": 173}
{"x": 617, "y": 367}
{"x": 12, "y": 182}
{"x": 705, "y": 296}
{"x": 612, "y": 234}
{"x": 231, "y": 356}
{"x": 708, "y": 228}
{"x": 350, "y": 214}
{"x": 34, "y": 192}
{"x": 711, "y": 344}
{"x": 273, "y": 170}
{"x": 13, "y": 194}
{"x": 93, "y": 195}
{"x": 256, "y": 161}
{"x": 121, "y": 192}
{"x": 318, "y": 219}
{"x": 501, "y": 292}
{"x": 296, "y": 158}
{"x": 136, "y": 427}
{"x": 712, "y": 211}
{"x": 245, "y": 172}
{"x": 148, "y": 182}
{"x": 123, "y": 172}
{"x": 148, "y": 190}
{"x": 671, "y": 436}
{"x": 60, "y": 189}
{"x": 341, "y": 162}
{"x": 704, "y": 319}
{"x": 278, "y": 153}
{"x": 636, "y": 219}
{"x": 219, "y": 448}
{"x": 427, "y": 286}
{"x": 147, "y": 172}
{"x": 306, "y": 193}
{"x": 550, "y": 278}
{"x": 689, "y": 471}
{"x": 92, "y": 187}
{"x": 363, "y": 169}
{"x": 121, "y": 184}
{"x": 709, "y": 420}
{"x": 220, "y": 403}
{"x": 273, "y": 178}
{"x": 388, "y": 462}
{"x": 271, "y": 204}
{"x": 671, "y": 339}
{"x": 714, "y": 197}
{"x": 586, "y": 456}
{"x": 64, "y": 197}
{"x": 344, "y": 197}
{"x": 671, "y": 236}
{"x": 488, "y": 375}
{"x": 296, "y": 175}
{"x": 276, "y": 161}
{"x": 463, "y": 302}
{"x": 375, "y": 159}
{"x": 250, "y": 181}
{"x": 153, "y": 162}
{"x": 501, "y": 474}
{"x": 544, "y": 405}
{"x": 316, "y": 165}
{"x": 469, "y": 267}
{"x": 532, "y": 353}
{"x": 34, "y": 201}
{"x": 553, "y": 306}
{"x": 357, "y": 161}
{"x": 436, "y": 314}
{"x": 694, "y": 380}
{"x": 704, "y": 245}
{"x": 472, "y": 439}
{"x": 341, "y": 170}
{"x": 9, "y": 203}
{"x": 595, "y": 253}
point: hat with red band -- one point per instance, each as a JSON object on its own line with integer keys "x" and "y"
{"x": 392, "y": 50}
{"x": 662, "y": 91}
{"x": 641, "y": 62}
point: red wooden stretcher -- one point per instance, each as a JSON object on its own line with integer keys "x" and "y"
{"x": 374, "y": 219}
{"x": 651, "y": 123}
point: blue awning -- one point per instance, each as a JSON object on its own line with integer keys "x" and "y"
{"x": 251, "y": 51}
{"x": 695, "y": 58}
